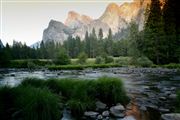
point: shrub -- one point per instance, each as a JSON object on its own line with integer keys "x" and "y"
{"x": 172, "y": 66}
{"x": 122, "y": 61}
{"x": 62, "y": 58}
{"x": 144, "y": 62}
{"x": 31, "y": 65}
{"x": 82, "y": 58}
{"x": 109, "y": 59}
{"x": 99, "y": 60}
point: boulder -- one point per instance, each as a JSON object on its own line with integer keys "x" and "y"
{"x": 117, "y": 111}
{"x": 171, "y": 116}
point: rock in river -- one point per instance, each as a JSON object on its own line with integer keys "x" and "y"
{"x": 117, "y": 111}
{"x": 100, "y": 105}
{"x": 171, "y": 116}
{"x": 91, "y": 114}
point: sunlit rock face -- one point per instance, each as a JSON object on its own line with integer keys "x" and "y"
{"x": 115, "y": 17}
{"x": 75, "y": 20}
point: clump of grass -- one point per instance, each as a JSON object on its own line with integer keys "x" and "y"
{"x": 78, "y": 107}
{"x": 6, "y": 103}
{"x": 66, "y": 67}
{"x": 39, "y": 99}
{"x": 29, "y": 103}
{"x": 172, "y": 66}
{"x": 36, "y": 104}
{"x": 35, "y": 82}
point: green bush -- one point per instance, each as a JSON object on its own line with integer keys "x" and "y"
{"x": 82, "y": 58}
{"x": 99, "y": 60}
{"x": 144, "y": 62}
{"x": 109, "y": 59}
{"x": 62, "y": 58}
{"x": 122, "y": 61}
{"x": 172, "y": 66}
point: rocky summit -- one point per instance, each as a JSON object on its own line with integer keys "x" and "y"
{"x": 116, "y": 17}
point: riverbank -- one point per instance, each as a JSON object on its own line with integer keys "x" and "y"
{"x": 38, "y": 99}
{"x": 48, "y": 64}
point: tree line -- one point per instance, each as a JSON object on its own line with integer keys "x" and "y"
{"x": 159, "y": 41}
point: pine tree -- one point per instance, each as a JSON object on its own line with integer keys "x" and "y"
{"x": 169, "y": 17}
{"x": 154, "y": 43}
{"x": 109, "y": 43}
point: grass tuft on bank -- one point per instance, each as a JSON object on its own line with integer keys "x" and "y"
{"x": 43, "y": 99}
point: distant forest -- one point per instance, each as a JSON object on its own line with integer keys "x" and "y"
{"x": 159, "y": 41}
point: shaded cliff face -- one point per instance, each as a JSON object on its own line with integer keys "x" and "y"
{"x": 116, "y": 17}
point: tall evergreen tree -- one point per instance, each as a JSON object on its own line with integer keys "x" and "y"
{"x": 169, "y": 17}
{"x": 154, "y": 44}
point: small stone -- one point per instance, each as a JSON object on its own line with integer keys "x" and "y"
{"x": 99, "y": 117}
{"x": 105, "y": 113}
{"x": 91, "y": 114}
{"x": 162, "y": 98}
{"x": 171, "y": 116}
{"x": 164, "y": 110}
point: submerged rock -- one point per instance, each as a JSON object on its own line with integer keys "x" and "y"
{"x": 171, "y": 116}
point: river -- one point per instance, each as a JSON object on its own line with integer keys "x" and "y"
{"x": 153, "y": 88}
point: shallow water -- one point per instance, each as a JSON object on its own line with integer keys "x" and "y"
{"x": 153, "y": 88}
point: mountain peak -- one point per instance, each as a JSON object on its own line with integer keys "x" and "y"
{"x": 112, "y": 7}
{"x": 73, "y": 15}
{"x": 75, "y": 20}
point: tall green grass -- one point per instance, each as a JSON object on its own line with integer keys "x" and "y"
{"x": 37, "y": 99}
{"x": 29, "y": 103}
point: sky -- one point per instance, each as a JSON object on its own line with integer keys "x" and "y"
{"x": 25, "y": 20}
